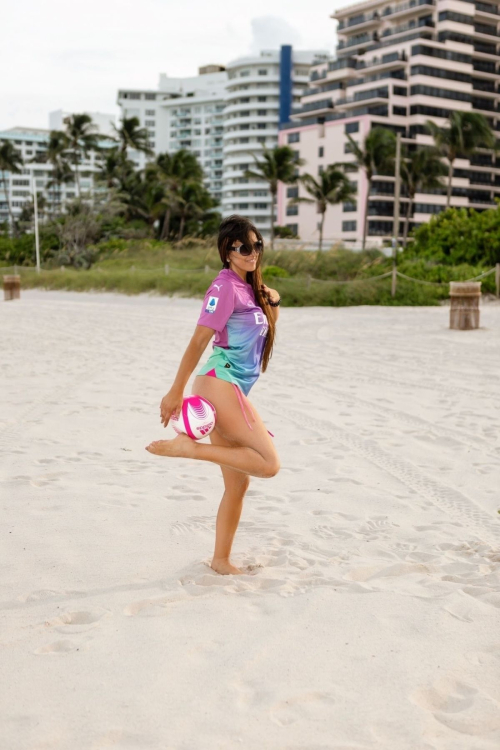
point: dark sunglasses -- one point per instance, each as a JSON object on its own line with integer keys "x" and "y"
{"x": 245, "y": 250}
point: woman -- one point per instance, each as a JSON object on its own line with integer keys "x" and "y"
{"x": 241, "y": 311}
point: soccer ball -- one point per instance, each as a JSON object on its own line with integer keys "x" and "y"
{"x": 196, "y": 419}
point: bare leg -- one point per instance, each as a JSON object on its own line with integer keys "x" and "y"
{"x": 228, "y": 516}
{"x": 250, "y": 451}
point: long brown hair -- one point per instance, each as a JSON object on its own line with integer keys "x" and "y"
{"x": 239, "y": 228}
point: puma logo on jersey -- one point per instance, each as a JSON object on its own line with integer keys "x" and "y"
{"x": 218, "y": 287}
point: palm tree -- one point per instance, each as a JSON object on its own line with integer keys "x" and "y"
{"x": 331, "y": 187}
{"x": 131, "y": 135}
{"x": 143, "y": 196}
{"x": 10, "y": 161}
{"x": 421, "y": 170}
{"x": 82, "y": 138}
{"x": 115, "y": 168}
{"x": 277, "y": 165}
{"x": 375, "y": 157}
{"x": 61, "y": 174}
{"x": 55, "y": 155}
{"x": 466, "y": 132}
{"x": 174, "y": 171}
{"x": 194, "y": 200}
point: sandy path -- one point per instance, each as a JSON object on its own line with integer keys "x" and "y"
{"x": 372, "y": 622}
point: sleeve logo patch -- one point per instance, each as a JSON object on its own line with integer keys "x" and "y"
{"x": 212, "y": 304}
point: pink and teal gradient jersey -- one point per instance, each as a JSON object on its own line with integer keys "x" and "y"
{"x": 230, "y": 309}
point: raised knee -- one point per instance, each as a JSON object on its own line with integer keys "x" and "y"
{"x": 272, "y": 468}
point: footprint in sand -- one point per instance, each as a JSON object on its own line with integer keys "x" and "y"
{"x": 154, "y": 607}
{"x": 77, "y": 622}
{"x": 459, "y": 706}
{"x": 330, "y": 532}
{"x": 192, "y": 524}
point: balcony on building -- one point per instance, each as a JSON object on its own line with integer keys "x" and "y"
{"x": 384, "y": 62}
{"x": 363, "y": 98}
{"x": 486, "y": 10}
{"x": 414, "y": 7}
{"x": 485, "y": 69}
{"x": 413, "y": 25}
{"x": 354, "y": 44}
{"x": 321, "y": 107}
{"x": 360, "y": 22}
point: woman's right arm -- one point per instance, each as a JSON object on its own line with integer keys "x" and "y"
{"x": 172, "y": 402}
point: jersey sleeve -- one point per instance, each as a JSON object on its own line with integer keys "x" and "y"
{"x": 218, "y": 306}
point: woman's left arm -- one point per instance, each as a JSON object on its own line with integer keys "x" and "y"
{"x": 273, "y": 296}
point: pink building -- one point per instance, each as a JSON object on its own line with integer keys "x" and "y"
{"x": 398, "y": 65}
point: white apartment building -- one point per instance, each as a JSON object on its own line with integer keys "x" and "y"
{"x": 183, "y": 113}
{"x": 103, "y": 121}
{"x": 397, "y": 65}
{"x": 260, "y": 93}
{"x": 31, "y": 143}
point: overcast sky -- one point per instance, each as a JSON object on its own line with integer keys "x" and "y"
{"x": 58, "y": 55}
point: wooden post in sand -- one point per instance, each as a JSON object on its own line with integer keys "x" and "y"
{"x": 11, "y": 287}
{"x": 464, "y": 308}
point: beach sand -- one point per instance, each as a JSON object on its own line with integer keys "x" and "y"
{"x": 371, "y": 617}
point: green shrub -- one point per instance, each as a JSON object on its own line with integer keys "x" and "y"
{"x": 284, "y": 232}
{"x": 459, "y": 235}
{"x": 275, "y": 271}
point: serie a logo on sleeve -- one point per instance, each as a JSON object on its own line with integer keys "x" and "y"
{"x": 212, "y": 304}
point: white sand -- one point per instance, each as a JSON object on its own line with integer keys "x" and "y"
{"x": 373, "y": 621}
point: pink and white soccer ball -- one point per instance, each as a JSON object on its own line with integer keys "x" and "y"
{"x": 196, "y": 419}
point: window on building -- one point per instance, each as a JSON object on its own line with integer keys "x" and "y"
{"x": 244, "y": 73}
{"x": 349, "y": 206}
{"x": 261, "y": 126}
{"x": 150, "y": 112}
{"x": 348, "y": 226}
{"x": 263, "y": 71}
{"x": 294, "y": 228}
{"x": 321, "y": 169}
{"x": 262, "y": 98}
{"x": 150, "y": 123}
{"x": 150, "y": 96}
{"x": 321, "y": 151}
{"x": 348, "y": 147}
{"x": 351, "y": 127}
{"x": 293, "y": 137}
{"x": 260, "y": 205}
{"x": 441, "y": 93}
{"x": 292, "y": 192}
{"x": 261, "y": 112}
{"x": 132, "y": 95}
{"x": 292, "y": 210}
{"x": 401, "y": 111}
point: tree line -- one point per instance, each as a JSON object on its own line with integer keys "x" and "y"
{"x": 169, "y": 197}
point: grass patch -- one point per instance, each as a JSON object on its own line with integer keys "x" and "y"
{"x": 303, "y": 278}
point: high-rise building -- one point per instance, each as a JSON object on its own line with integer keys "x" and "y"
{"x": 31, "y": 144}
{"x": 183, "y": 113}
{"x": 397, "y": 65}
{"x": 260, "y": 93}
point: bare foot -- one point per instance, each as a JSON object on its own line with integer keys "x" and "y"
{"x": 225, "y": 568}
{"x": 181, "y": 446}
